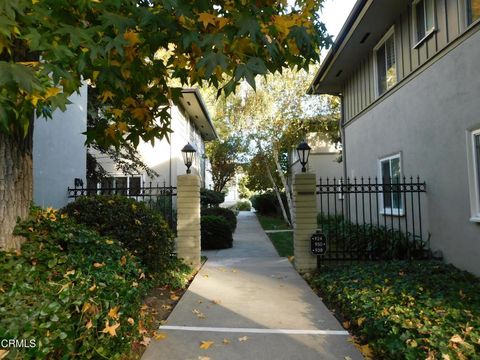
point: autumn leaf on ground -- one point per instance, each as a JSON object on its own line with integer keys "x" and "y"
{"x": 216, "y": 302}
{"x": 112, "y": 330}
{"x": 142, "y": 276}
{"x": 113, "y": 312}
{"x": 206, "y": 344}
{"x": 109, "y": 242}
{"x": 130, "y": 321}
{"x": 166, "y": 307}
{"x": 146, "y": 340}
{"x": 203, "y": 358}
{"x": 226, "y": 341}
{"x": 174, "y": 297}
{"x": 159, "y": 336}
{"x": 98, "y": 265}
{"x": 456, "y": 339}
{"x": 89, "y": 324}
{"x": 123, "y": 260}
{"x": 92, "y": 288}
{"x": 205, "y": 275}
{"x": 199, "y": 314}
{"x": 134, "y": 284}
{"x": 244, "y": 338}
{"x": 234, "y": 270}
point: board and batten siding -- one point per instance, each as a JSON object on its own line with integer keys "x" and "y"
{"x": 359, "y": 89}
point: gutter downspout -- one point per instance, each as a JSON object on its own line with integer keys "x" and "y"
{"x": 343, "y": 137}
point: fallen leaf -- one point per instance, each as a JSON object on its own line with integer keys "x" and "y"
{"x": 113, "y": 312}
{"x": 134, "y": 284}
{"x": 98, "y": 265}
{"x": 206, "y": 344}
{"x": 234, "y": 270}
{"x": 226, "y": 341}
{"x": 456, "y": 339}
{"x": 244, "y": 338}
{"x": 360, "y": 321}
{"x": 166, "y": 307}
{"x": 89, "y": 324}
{"x": 203, "y": 358}
{"x": 346, "y": 324}
{"x": 216, "y": 302}
{"x": 70, "y": 272}
{"x": 146, "y": 340}
{"x": 123, "y": 260}
{"x": 142, "y": 276}
{"x": 174, "y": 297}
{"x": 199, "y": 314}
{"x": 131, "y": 321}
{"x": 159, "y": 336}
{"x": 112, "y": 330}
{"x": 109, "y": 242}
{"x": 3, "y": 353}
{"x": 92, "y": 288}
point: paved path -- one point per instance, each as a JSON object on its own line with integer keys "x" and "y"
{"x": 256, "y": 302}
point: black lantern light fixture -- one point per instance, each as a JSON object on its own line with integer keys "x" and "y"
{"x": 188, "y": 153}
{"x": 303, "y": 151}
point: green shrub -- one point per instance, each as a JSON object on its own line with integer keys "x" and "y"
{"x": 216, "y": 233}
{"x": 267, "y": 203}
{"x": 407, "y": 310}
{"x": 65, "y": 286}
{"x": 211, "y": 198}
{"x": 142, "y": 230}
{"x": 227, "y": 214}
{"x": 378, "y": 242}
{"x": 243, "y": 205}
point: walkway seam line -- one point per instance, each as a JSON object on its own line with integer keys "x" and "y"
{"x": 254, "y": 330}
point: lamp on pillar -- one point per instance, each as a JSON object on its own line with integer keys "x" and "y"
{"x": 303, "y": 151}
{"x": 188, "y": 153}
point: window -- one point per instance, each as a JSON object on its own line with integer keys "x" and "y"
{"x": 385, "y": 61}
{"x": 121, "y": 185}
{"x": 391, "y": 202}
{"x": 473, "y": 11}
{"x": 424, "y": 19}
{"x": 474, "y": 173}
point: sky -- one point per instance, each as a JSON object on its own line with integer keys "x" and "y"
{"x": 334, "y": 14}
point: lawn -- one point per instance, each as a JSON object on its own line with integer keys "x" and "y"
{"x": 283, "y": 241}
{"x": 406, "y": 310}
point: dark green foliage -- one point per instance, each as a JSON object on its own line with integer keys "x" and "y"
{"x": 216, "y": 233}
{"x": 227, "y": 214}
{"x": 243, "y": 206}
{"x": 211, "y": 198}
{"x": 407, "y": 310}
{"x": 267, "y": 203}
{"x": 142, "y": 230}
{"x": 61, "y": 286}
{"x": 379, "y": 242}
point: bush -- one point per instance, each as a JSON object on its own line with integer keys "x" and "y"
{"x": 211, "y": 198}
{"x": 78, "y": 295}
{"x": 407, "y": 310}
{"x": 378, "y": 242}
{"x": 216, "y": 233}
{"x": 243, "y": 205}
{"x": 227, "y": 214}
{"x": 143, "y": 231}
{"x": 267, "y": 203}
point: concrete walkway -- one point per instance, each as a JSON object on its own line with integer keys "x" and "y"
{"x": 252, "y": 305}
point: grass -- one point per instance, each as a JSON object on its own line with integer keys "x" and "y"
{"x": 406, "y": 310}
{"x": 282, "y": 241}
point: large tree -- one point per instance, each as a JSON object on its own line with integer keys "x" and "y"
{"x": 130, "y": 50}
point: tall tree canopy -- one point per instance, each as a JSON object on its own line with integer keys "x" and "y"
{"x": 129, "y": 50}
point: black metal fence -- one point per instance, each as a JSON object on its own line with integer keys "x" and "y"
{"x": 372, "y": 219}
{"x": 158, "y": 197}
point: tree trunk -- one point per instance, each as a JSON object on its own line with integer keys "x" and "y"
{"x": 279, "y": 197}
{"x": 288, "y": 194}
{"x": 16, "y": 185}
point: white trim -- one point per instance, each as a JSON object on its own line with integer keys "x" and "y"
{"x": 390, "y": 211}
{"x": 428, "y": 32}
{"x": 254, "y": 330}
{"x": 473, "y": 175}
{"x": 388, "y": 34}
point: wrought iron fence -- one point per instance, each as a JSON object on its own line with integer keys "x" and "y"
{"x": 161, "y": 198}
{"x": 372, "y": 219}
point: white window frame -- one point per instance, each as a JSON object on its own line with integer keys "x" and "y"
{"x": 119, "y": 175}
{"x": 388, "y": 34}
{"x": 473, "y": 176}
{"x": 390, "y": 211}
{"x": 428, "y": 32}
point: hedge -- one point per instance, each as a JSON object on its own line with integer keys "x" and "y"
{"x": 227, "y": 214}
{"x": 215, "y": 233}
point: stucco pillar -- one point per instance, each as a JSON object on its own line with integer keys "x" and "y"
{"x": 188, "y": 219}
{"x": 305, "y": 203}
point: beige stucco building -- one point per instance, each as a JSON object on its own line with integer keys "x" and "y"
{"x": 409, "y": 78}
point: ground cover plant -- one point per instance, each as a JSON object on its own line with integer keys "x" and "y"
{"x": 406, "y": 310}
{"x": 79, "y": 295}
